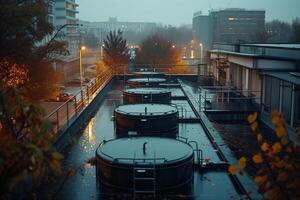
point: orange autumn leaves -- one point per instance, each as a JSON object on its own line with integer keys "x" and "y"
{"x": 277, "y": 164}
{"x": 12, "y": 74}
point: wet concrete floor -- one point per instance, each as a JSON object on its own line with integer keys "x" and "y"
{"x": 208, "y": 185}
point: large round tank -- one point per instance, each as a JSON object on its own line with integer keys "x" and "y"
{"x": 145, "y": 82}
{"x": 146, "y": 95}
{"x": 149, "y": 164}
{"x": 146, "y": 119}
{"x": 150, "y": 74}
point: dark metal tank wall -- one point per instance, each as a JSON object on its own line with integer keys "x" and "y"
{"x": 132, "y": 98}
{"x": 166, "y": 125}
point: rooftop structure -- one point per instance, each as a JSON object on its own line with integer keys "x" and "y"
{"x": 272, "y": 70}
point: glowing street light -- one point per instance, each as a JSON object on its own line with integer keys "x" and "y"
{"x": 82, "y": 48}
{"x": 201, "y": 53}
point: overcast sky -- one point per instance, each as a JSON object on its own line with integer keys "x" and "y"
{"x": 177, "y": 12}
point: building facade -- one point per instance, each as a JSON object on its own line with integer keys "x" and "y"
{"x": 203, "y": 30}
{"x": 65, "y": 13}
{"x": 101, "y": 29}
{"x": 228, "y": 26}
{"x": 237, "y": 25}
{"x": 271, "y": 69}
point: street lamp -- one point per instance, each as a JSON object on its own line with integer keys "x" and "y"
{"x": 201, "y": 53}
{"x": 82, "y": 48}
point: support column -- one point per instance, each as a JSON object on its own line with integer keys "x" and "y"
{"x": 280, "y": 95}
{"x": 293, "y": 106}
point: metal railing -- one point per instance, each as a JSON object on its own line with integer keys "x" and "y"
{"x": 226, "y": 95}
{"x": 291, "y": 51}
{"x": 62, "y": 115}
{"x": 166, "y": 69}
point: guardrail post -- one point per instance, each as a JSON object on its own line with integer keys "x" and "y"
{"x": 204, "y": 100}
{"x": 199, "y": 99}
{"x": 75, "y": 105}
{"x": 81, "y": 94}
{"x": 88, "y": 93}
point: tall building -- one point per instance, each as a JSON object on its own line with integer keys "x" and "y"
{"x": 237, "y": 25}
{"x": 51, "y": 10}
{"x": 203, "y": 29}
{"x": 65, "y": 13}
{"x": 100, "y": 29}
{"x": 228, "y": 26}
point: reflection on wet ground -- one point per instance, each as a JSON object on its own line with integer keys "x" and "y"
{"x": 207, "y": 185}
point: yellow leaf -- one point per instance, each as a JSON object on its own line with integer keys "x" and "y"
{"x": 252, "y": 118}
{"x": 284, "y": 141}
{"x": 260, "y": 179}
{"x": 280, "y": 131}
{"x": 264, "y": 146}
{"x": 276, "y": 148}
{"x": 257, "y": 159}
{"x": 242, "y": 162}
{"x": 259, "y": 137}
{"x": 277, "y": 118}
{"x": 55, "y": 166}
{"x": 254, "y": 126}
{"x": 57, "y": 156}
{"x": 232, "y": 169}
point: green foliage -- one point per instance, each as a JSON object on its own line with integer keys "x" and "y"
{"x": 26, "y": 150}
{"x": 296, "y": 30}
{"x": 26, "y": 38}
{"x": 157, "y": 50}
{"x": 277, "y": 164}
{"x": 115, "y": 49}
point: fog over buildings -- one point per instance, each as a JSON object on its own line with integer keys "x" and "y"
{"x": 177, "y": 12}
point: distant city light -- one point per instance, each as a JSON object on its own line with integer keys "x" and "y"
{"x": 192, "y": 54}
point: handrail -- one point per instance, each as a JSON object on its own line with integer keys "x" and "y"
{"x": 63, "y": 113}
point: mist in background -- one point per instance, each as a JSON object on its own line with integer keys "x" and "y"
{"x": 178, "y": 12}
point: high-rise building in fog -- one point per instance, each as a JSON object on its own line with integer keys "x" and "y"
{"x": 203, "y": 29}
{"x": 65, "y": 13}
{"x": 100, "y": 29}
{"x": 234, "y": 25}
{"x": 229, "y": 26}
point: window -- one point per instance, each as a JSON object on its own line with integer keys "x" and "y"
{"x": 287, "y": 101}
{"x": 297, "y": 107}
{"x": 272, "y": 94}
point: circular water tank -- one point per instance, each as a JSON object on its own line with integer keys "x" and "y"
{"x": 146, "y": 119}
{"x": 145, "y": 164}
{"x": 149, "y": 74}
{"x": 146, "y": 95}
{"x": 145, "y": 82}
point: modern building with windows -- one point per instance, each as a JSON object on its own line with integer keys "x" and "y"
{"x": 272, "y": 69}
{"x": 101, "y": 29}
{"x": 65, "y": 13}
{"x": 230, "y": 26}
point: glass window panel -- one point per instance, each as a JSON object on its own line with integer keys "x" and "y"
{"x": 287, "y": 101}
{"x": 297, "y": 107}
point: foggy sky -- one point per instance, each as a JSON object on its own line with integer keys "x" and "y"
{"x": 178, "y": 12}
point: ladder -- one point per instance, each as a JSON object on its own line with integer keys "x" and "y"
{"x": 144, "y": 178}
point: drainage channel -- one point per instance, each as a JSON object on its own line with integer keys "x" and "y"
{"x": 208, "y": 129}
